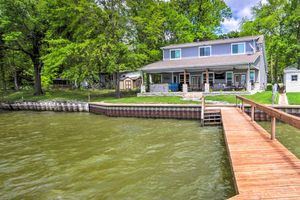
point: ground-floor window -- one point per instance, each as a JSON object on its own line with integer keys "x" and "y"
{"x": 252, "y": 76}
{"x": 229, "y": 76}
{"x": 174, "y": 79}
{"x": 211, "y": 77}
{"x": 294, "y": 77}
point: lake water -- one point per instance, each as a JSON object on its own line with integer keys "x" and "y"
{"x": 288, "y": 135}
{"x": 47, "y": 155}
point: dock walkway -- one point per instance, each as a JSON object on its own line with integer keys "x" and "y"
{"x": 262, "y": 168}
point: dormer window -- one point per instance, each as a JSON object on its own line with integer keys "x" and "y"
{"x": 175, "y": 54}
{"x": 238, "y": 48}
{"x": 204, "y": 51}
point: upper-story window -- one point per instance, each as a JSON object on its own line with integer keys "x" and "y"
{"x": 205, "y": 51}
{"x": 175, "y": 54}
{"x": 238, "y": 48}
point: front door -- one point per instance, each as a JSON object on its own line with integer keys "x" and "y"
{"x": 239, "y": 80}
{"x": 127, "y": 84}
{"x": 195, "y": 82}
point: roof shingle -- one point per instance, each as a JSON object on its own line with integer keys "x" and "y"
{"x": 190, "y": 63}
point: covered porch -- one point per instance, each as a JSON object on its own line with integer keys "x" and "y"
{"x": 242, "y": 78}
{"x": 219, "y": 73}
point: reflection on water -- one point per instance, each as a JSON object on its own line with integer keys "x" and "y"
{"x": 288, "y": 135}
{"x": 46, "y": 155}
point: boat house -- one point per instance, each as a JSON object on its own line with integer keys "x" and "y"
{"x": 235, "y": 64}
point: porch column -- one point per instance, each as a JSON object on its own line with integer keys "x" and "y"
{"x": 184, "y": 77}
{"x": 172, "y": 77}
{"x": 143, "y": 87}
{"x": 184, "y": 86}
{"x": 206, "y": 85}
{"x": 248, "y": 79}
{"x": 150, "y": 78}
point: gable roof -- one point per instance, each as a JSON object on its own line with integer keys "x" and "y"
{"x": 203, "y": 62}
{"x": 292, "y": 68}
{"x": 259, "y": 39}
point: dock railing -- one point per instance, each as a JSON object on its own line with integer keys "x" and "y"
{"x": 202, "y": 110}
{"x": 272, "y": 112}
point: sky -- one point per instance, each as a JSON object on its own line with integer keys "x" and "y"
{"x": 240, "y": 9}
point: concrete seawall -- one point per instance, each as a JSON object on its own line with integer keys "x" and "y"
{"x": 172, "y": 111}
{"x": 147, "y": 110}
{"x": 47, "y": 106}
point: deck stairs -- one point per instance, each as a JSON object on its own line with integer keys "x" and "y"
{"x": 212, "y": 117}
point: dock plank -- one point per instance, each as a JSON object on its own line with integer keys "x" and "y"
{"x": 262, "y": 168}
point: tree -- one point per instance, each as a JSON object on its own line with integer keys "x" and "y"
{"x": 24, "y": 28}
{"x": 278, "y": 21}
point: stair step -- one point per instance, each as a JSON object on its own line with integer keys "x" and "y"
{"x": 212, "y": 123}
{"x": 212, "y": 115}
{"x": 212, "y": 119}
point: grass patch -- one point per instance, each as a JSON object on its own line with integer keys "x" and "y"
{"x": 222, "y": 98}
{"x": 104, "y": 95}
{"x": 130, "y": 97}
{"x": 259, "y": 97}
{"x": 63, "y": 95}
{"x": 293, "y": 98}
{"x": 151, "y": 100}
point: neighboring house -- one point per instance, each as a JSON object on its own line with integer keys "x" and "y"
{"x": 292, "y": 78}
{"x": 130, "y": 81}
{"x": 225, "y": 64}
{"x": 61, "y": 83}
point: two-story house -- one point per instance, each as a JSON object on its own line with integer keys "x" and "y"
{"x": 217, "y": 65}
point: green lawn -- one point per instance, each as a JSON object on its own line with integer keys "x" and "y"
{"x": 130, "y": 97}
{"x": 60, "y": 95}
{"x": 293, "y": 98}
{"x": 260, "y": 97}
{"x": 152, "y": 100}
{"x": 104, "y": 95}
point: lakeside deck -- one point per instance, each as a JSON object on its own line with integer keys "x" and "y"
{"x": 262, "y": 168}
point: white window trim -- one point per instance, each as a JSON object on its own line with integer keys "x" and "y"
{"x": 175, "y": 58}
{"x": 244, "y": 43}
{"x": 204, "y": 47}
{"x": 232, "y": 77}
{"x": 202, "y": 78}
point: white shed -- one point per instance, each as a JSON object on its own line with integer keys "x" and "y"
{"x": 292, "y": 78}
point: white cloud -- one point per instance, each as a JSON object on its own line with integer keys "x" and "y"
{"x": 240, "y": 9}
{"x": 245, "y": 12}
{"x": 230, "y": 25}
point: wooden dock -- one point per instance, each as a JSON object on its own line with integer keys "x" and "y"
{"x": 262, "y": 168}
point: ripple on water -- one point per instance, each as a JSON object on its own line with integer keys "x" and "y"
{"x": 83, "y": 156}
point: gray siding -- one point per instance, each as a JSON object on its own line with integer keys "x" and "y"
{"x": 189, "y": 52}
{"x": 216, "y": 50}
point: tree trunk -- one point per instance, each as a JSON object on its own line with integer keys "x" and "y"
{"x": 2, "y": 72}
{"x": 117, "y": 85}
{"x": 276, "y": 70}
{"x": 16, "y": 81}
{"x": 37, "y": 75}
